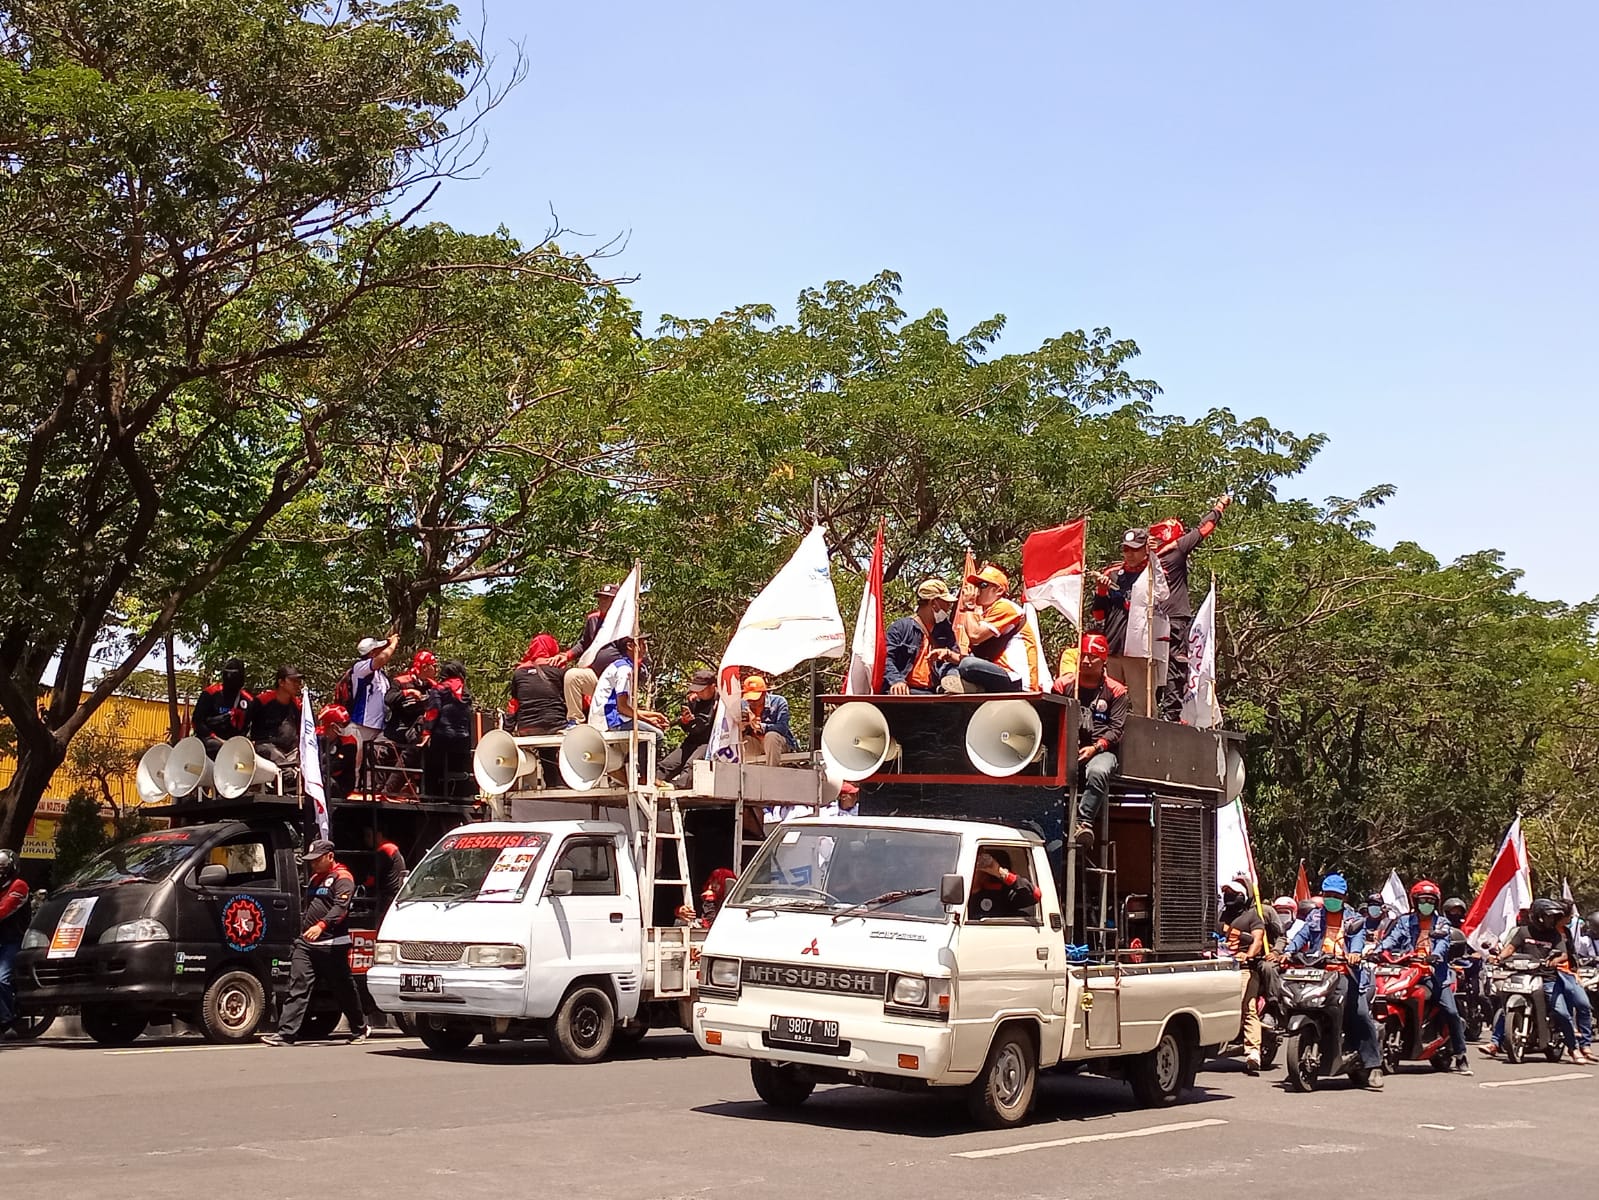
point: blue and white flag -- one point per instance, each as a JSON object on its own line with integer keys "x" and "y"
{"x": 311, "y": 765}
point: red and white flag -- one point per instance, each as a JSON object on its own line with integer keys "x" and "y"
{"x": 1506, "y": 891}
{"x": 869, "y": 649}
{"x": 1052, "y": 569}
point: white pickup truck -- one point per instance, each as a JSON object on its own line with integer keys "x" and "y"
{"x": 855, "y": 951}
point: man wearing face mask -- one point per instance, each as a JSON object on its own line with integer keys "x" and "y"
{"x": 920, "y": 649}
{"x": 1425, "y": 931}
{"x": 1333, "y": 933}
{"x": 222, "y": 711}
{"x": 1243, "y": 932}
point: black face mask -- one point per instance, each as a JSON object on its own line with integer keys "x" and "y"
{"x": 232, "y": 681}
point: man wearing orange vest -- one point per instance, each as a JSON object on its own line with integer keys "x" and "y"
{"x": 990, "y": 627}
{"x": 1327, "y": 930}
{"x": 1425, "y": 932}
{"x": 322, "y": 952}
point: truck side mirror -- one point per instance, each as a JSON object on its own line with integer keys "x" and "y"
{"x": 560, "y": 883}
{"x": 952, "y": 889}
{"x": 212, "y": 875}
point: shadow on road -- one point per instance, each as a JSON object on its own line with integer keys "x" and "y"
{"x": 942, "y": 1113}
{"x": 656, "y": 1048}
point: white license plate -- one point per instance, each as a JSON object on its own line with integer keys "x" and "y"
{"x": 1303, "y": 975}
{"x": 804, "y": 1031}
{"x": 422, "y": 985}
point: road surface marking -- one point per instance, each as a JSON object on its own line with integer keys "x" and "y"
{"x": 999, "y": 1151}
{"x": 1538, "y": 1079}
{"x": 1445, "y": 1128}
{"x": 181, "y": 1049}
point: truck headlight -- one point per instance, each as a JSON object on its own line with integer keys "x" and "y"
{"x": 496, "y": 956}
{"x": 722, "y": 973}
{"x": 144, "y": 929}
{"x": 35, "y": 939}
{"x": 385, "y": 954}
{"x": 910, "y": 990}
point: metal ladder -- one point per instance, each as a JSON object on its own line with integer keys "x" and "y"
{"x": 1099, "y": 929}
{"x": 671, "y": 946}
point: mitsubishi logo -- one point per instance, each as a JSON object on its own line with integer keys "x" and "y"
{"x": 812, "y": 949}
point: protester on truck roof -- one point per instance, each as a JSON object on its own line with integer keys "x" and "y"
{"x": 1173, "y": 544}
{"x": 919, "y": 650}
{"x": 275, "y": 719}
{"x": 338, "y": 750}
{"x": 1113, "y": 589}
{"x": 446, "y": 738}
{"x": 364, "y": 691}
{"x": 615, "y": 703}
{"x": 407, "y": 698}
{"x": 222, "y": 711}
{"x": 537, "y": 704}
{"x": 766, "y": 723}
{"x": 695, "y": 720}
{"x": 990, "y": 627}
{"x": 1102, "y": 706}
{"x": 580, "y": 681}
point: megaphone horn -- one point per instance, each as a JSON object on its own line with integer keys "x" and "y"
{"x": 499, "y": 762}
{"x": 586, "y": 757}
{"x": 856, "y": 741}
{"x": 1004, "y": 736}
{"x": 150, "y": 782}
{"x": 187, "y": 768}
{"x": 239, "y": 768}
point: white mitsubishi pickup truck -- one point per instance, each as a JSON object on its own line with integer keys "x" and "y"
{"x": 856, "y": 951}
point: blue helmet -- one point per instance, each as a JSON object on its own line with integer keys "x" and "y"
{"x": 1336, "y": 884}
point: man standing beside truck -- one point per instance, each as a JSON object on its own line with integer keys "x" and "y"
{"x": 15, "y": 909}
{"x": 322, "y": 952}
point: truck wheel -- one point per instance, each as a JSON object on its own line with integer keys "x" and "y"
{"x": 1157, "y": 1077}
{"x": 630, "y": 1037}
{"x": 1002, "y": 1094}
{"x": 780, "y": 1084}
{"x": 111, "y": 1026}
{"x": 1302, "y": 1054}
{"x": 441, "y": 1037}
{"x": 582, "y": 1029}
{"x": 405, "y": 1023}
{"x": 31, "y": 1025}
{"x": 232, "y": 1007}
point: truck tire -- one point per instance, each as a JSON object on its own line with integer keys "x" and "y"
{"x": 110, "y": 1025}
{"x": 583, "y": 1028}
{"x": 1159, "y": 1077}
{"x": 232, "y": 1007}
{"x": 1001, "y": 1096}
{"x": 442, "y": 1037}
{"x": 780, "y": 1084}
{"x": 405, "y": 1023}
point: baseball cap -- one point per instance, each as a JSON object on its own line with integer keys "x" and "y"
{"x": 991, "y": 574}
{"x": 318, "y": 848}
{"x": 704, "y": 677}
{"x": 369, "y": 644}
{"x": 754, "y": 686}
{"x": 1136, "y": 538}
{"x": 607, "y": 589}
{"x": 933, "y": 589}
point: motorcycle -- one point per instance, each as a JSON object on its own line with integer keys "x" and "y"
{"x": 1528, "y": 1025}
{"x": 1313, "y": 1042}
{"x": 1412, "y": 1025}
{"x": 1471, "y": 996}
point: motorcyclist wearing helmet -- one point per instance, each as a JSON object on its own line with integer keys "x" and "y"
{"x": 1329, "y": 930}
{"x": 1287, "y": 917}
{"x": 1244, "y": 938}
{"x": 15, "y": 908}
{"x": 1546, "y": 938}
{"x": 1424, "y": 931}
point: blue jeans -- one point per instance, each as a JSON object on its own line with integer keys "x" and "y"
{"x": 1096, "y": 776}
{"x": 8, "y": 982}
{"x": 1581, "y": 1007}
{"x": 1559, "y": 1017}
{"x": 984, "y": 676}
{"x": 1457, "y": 1027}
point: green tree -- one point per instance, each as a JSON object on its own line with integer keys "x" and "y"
{"x": 80, "y": 835}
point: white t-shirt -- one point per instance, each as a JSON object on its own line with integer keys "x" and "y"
{"x": 616, "y": 680}
{"x": 377, "y": 688}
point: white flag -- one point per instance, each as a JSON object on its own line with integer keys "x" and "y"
{"x": 868, "y": 650}
{"x": 1234, "y": 857}
{"x": 1200, "y": 706}
{"x": 1032, "y": 672}
{"x": 1146, "y": 639}
{"x": 1394, "y": 894}
{"x": 621, "y": 619}
{"x": 795, "y": 618}
{"x": 311, "y": 765}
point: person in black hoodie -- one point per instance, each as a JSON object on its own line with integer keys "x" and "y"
{"x": 446, "y": 739}
{"x": 222, "y": 711}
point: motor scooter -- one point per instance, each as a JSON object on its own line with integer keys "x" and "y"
{"x": 1412, "y": 1025}
{"x": 1313, "y": 1038}
{"x": 1528, "y": 1028}
{"x": 1471, "y": 996}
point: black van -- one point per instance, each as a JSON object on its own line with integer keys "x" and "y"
{"x": 197, "y": 922}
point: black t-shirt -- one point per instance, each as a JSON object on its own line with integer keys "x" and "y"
{"x": 540, "y": 702}
{"x": 991, "y": 898}
{"x": 274, "y": 722}
{"x": 1238, "y": 929}
{"x": 1533, "y": 943}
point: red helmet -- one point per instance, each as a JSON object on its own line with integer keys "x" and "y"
{"x": 424, "y": 658}
{"x": 1425, "y": 887}
{"x": 1165, "y": 531}
{"x": 333, "y": 714}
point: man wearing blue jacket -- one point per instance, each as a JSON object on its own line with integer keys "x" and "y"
{"x": 1425, "y": 930}
{"x": 919, "y": 650}
{"x": 1332, "y": 932}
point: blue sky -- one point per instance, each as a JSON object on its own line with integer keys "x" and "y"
{"x": 1376, "y": 221}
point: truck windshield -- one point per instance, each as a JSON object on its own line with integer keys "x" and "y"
{"x": 485, "y": 866}
{"x": 833, "y": 868}
{"x": 148, "y": 858}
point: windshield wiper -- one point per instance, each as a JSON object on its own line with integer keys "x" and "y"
{"x": 885, "y": 898}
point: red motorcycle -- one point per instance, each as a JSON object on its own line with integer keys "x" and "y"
{"x": 1413, "y": 1027}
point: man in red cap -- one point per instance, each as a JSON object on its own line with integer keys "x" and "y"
{"x": 1102, "y": 716}
{"x": 1168, "y": 539}
{"x": 990, "y": 626}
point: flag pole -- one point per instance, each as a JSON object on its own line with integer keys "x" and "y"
{"x": 638, "y": 674}
{"x": 816, "y": 692}
{"x": 1150, "y": 566}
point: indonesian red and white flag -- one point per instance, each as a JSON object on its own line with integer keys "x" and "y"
{"x": 1301, "y": 885}
{"x": 1506, "y": 891}
{"x": 869, "y": 648}
{"x": 1052, "y": 569}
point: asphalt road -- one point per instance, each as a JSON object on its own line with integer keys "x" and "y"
{"x": 176, "y": 1117}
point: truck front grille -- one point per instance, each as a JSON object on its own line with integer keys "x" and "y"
{"x": 432, "y": 952}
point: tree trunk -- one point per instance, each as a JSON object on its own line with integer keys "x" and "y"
{"x": 36, "y": 763}
{"x": 174, "y": 722}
